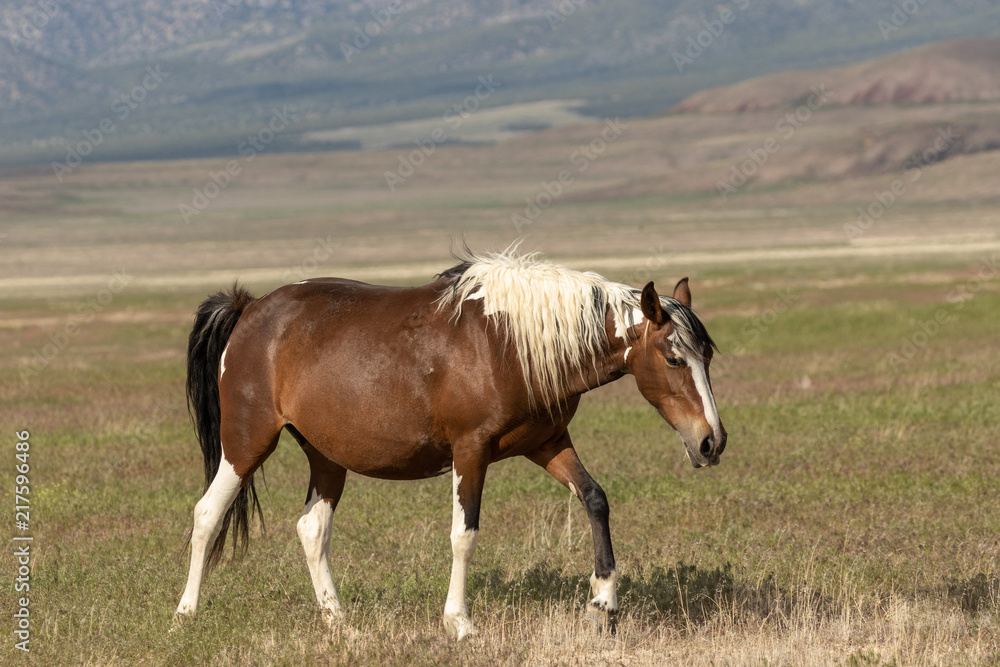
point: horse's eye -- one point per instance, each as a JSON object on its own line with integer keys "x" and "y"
{"x": 673, "y": 362}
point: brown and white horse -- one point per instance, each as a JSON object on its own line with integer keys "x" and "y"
{"x": 487, "y": 362}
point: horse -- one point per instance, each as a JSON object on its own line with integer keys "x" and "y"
{"x": 487, "y": 362}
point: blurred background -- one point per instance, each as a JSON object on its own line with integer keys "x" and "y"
{"x": 429, "y": 121}
{"x": 364, "y": 67}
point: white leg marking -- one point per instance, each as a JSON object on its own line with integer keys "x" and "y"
{"x": 463, "y": 546}
{"x": 605, "y": 592}
{"x": 208, "y": 515}
{"x": 222, "y": 362}
{"x": 313, "y": 528}
{"x": 700, "y": 375}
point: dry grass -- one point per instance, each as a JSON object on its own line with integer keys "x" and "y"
{"x": 851, "y": 523}
{"x": 853, "y": 520}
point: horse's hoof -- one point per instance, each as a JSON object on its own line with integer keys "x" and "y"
{"x": 601, "y": 618}
{"x": 333, "y": 619}
{"x": 459, "y": 626}
{"x": 340, "y": 630}
{"x": 179, "y": 620}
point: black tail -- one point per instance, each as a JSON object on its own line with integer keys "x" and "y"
{"x": 214, "y": 322}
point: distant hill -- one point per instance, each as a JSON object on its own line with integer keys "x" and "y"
{"x": 340, "y": 65}
{"x": 955, "y": 71}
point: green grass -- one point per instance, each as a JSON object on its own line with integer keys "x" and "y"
{"x": 853, "y": 518}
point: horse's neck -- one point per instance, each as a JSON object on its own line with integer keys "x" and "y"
{"x": 608, "y": 367}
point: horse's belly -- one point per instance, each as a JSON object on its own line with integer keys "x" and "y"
{"x": 388, "y": 458}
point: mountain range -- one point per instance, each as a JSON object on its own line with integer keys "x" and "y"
{"x": 228, "y": 66}
{"x": 955, "y": 71}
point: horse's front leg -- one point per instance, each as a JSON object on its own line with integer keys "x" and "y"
{"x": 467, "y": 491}
{"x": 560, "y": 460}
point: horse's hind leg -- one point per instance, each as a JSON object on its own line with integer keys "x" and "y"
{"x": 326, "y": 484}
{"x": 208, "y": 516}
{"x": 236, "y": 468}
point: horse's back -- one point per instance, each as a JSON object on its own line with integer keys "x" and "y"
{"x": 360, "y": 370}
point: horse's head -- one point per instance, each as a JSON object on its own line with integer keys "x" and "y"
{"x": 670, "y": 361}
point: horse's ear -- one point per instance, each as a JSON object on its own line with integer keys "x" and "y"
{"x": 651, "y": 308}
{"x": 683, "y": 293}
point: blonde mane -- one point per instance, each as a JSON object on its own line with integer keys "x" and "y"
{"x": 553, "y": 315}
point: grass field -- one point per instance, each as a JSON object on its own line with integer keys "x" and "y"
{"x": 853, "y": 520}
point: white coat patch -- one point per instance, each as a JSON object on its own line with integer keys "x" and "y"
{"x": 463, "y": 545}
{"x": 605, "y": 592}
{"x": 222, "y": 362}
{"x": 208, "y": 515}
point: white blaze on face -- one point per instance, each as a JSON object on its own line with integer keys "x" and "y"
{"x": 699, "y": 371}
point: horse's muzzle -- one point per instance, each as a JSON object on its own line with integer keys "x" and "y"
{"x": 704, "y": 463}
{"x": 708, "y": 451}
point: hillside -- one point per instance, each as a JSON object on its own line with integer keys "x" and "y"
{"x": 961, "y": 70}
{"x": 340, "y": 65}
{"x": 657, "y": 171}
